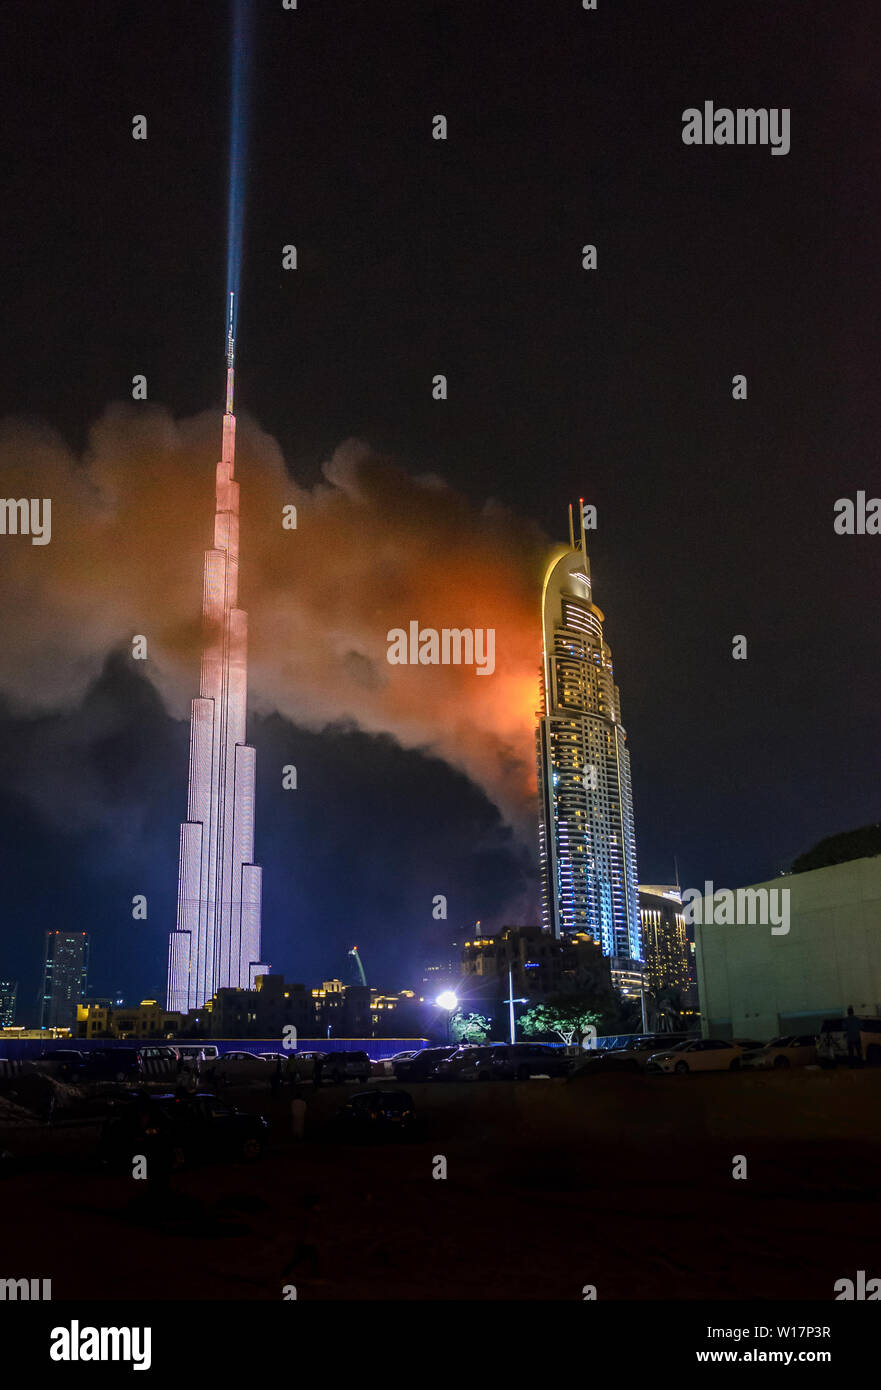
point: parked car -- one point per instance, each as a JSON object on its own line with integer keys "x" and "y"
{"x": 233, "y": 1067}
{"x": 112, "y": 1064}
{"x": 347, "y": 1066}
{"x": 521, "y": 1061}
{"x": 159, "y": 1061}
{"x": 832, "y": 1042}
{"x": 780, "y": 1053}
{"x": 301, "y": 1065}
{"x": 194, "y": 1056}
{"x": 386, "y": 1065}
{"x": 699, "y": 1054}
{"x": 64, "y": 1063}
{"x": 632, "y": 1058}
{"x": 635, "y": 1056}
{"x": 376, "y": 1114}
{"x": 420, "y": 1067}
{"x": 603, "y": 1062}
{"x": 471, "y": 1063}
{"x": 179, "y": 1130}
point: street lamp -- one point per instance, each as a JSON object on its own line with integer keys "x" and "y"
{"x": 511, "y": 1002}
{"x": 448, "y": 1001}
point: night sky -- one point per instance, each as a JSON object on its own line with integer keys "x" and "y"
{"x": 417, "y": 257}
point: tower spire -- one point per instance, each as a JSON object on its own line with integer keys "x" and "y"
{"x": 230, "y": 352}
{"x": 230, "y": 333}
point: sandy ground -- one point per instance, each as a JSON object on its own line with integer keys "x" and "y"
{"x": 624, "y": 1183}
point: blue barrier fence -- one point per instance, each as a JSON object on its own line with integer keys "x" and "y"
{"x": 378, "y": 1049}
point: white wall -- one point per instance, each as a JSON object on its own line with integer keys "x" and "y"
{"x": 831, "y": 956}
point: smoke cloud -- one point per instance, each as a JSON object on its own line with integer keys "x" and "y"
{"x": 375, "y": 548}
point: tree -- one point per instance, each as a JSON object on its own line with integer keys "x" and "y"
{"x": 473, "y": 1029}
{"x": 623, "y": 1016}
{"x": 668, "y": 1013}
{"x": 864, "y": 843}
{"x": 570, "y": 1016}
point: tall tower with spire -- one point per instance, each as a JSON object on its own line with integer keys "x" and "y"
{"x": 587, "y": 843}
{"x": 216, "y": 942}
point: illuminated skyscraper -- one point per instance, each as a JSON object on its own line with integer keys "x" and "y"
{"x": 587, "y": 844}
{"x": 65, "y": 975}
{"x": 217, "y": 940}
{"x": 664, "y": 942}
{"x": 8, "y": 992}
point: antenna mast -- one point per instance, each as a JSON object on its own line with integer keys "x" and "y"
{"x": 230, "y": 352}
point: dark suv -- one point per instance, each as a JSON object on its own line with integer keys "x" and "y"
{"x": 345, "y": 1066}
{"x": 112, "y": 1064}
{"x": 520, "y": 1061}
{"x": 379, "y": 1115}
{"x": 177, "y": 1130}
{"x": 421, "y": 1067}
{"x": 64, "y": 1063}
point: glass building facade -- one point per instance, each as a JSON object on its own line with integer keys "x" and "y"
{"x": 65, "y": 978}
{"x": 664, "y": 942}
{"x": 8, "y": 994}
{"x": 587, "y": 844}
{"x": 216, "y": 943}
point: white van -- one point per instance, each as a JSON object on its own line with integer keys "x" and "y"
{"x": 832, "y": 1042}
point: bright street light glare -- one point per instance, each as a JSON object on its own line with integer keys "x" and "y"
{"x": 447, "y": 1000}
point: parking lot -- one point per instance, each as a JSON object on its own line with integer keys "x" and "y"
{"x": 624, "y": 1181}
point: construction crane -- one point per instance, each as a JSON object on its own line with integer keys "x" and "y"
{"x": 354, "y": 952}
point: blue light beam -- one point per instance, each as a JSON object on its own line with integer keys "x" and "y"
{"x": 240, "y": 75}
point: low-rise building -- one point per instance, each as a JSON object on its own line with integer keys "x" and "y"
{"x": 274, "y": 1004}
{"x": 540, "y": 964}
{"x": 149, "y": 1019}
{"x": 818, "y": 952}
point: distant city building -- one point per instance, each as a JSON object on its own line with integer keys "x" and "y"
{"x": 327, "y": 1004}
{"x": 94, "y": 1020}
{"x": 443, "y": 967}
{"x": 8, "y": 992}
{"x": 273, "y": 1005}
{"x": 332, "y": 1009}
{"x": 664, "y": 944}
{"x": 359, "y": 1011}
{"x": 587, "y": 844}
{"x": 17, "y": 1033}
{"x": 65, "y": 973}
{"x": 628, "y": 976}
{"x": 389, "y": 1012}
{"x": 540, "y": 965}
{"x": 280, "y": 1004}
{"x": 692, "y": 960}
{"x": 755, "y": 983}
{"x": 149, "y": 1019}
